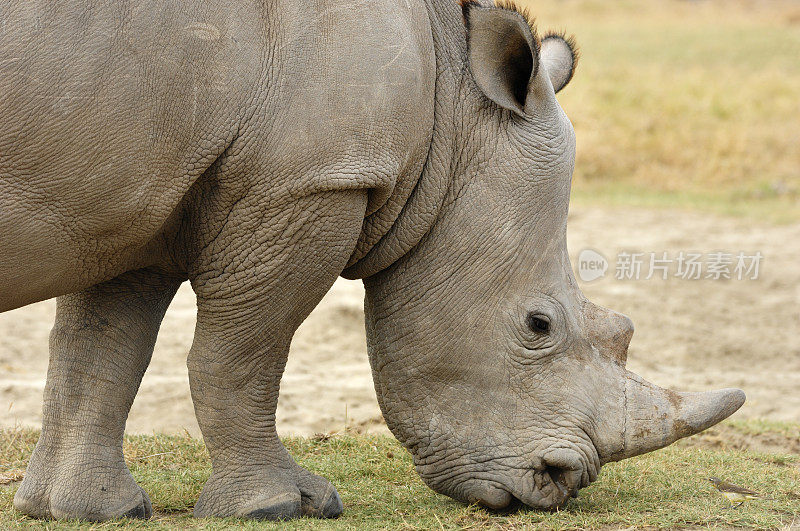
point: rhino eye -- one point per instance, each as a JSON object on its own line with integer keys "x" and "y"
{"x": 538, "y": 323}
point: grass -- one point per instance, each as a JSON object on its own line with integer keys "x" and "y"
{"x": 685, "y": 104}
{"x": 380, "y": 489}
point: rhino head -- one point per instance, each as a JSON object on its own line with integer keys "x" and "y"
{"x": 490, "y": 365}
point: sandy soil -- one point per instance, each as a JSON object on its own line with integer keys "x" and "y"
{"x": 691, "y": 335}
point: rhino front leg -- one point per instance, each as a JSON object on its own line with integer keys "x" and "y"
{"x": 100, "y": 346}
{"x": 254, "y": 287}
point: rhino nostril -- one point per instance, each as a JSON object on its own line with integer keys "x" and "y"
{"x": 565, "y": 470}
{"x": 558, "y": 477}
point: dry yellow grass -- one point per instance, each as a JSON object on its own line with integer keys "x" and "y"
{"x": 685, "y": 103}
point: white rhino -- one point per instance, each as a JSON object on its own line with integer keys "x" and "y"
{"x": 260, "y": 150}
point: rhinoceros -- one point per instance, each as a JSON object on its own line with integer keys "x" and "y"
{"x": 260, "y": 150}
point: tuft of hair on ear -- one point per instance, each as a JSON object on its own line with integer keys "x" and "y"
{"x": 509, "y": 5}
{"x": 512, "y": 5}
{"x": 465, "y": 5}
{"x": 573, "y": 48}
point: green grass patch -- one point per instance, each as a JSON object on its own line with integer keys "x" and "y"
{"x": 380, "y": 489}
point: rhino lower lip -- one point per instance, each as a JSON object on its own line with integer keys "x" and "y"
{"x": 496, "y": 497}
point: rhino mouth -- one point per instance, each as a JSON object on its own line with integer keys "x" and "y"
{"x": 555, "y": 485}
{"x": 552, "y": 488}
{"x": 541, "y": 481}
{"x": 548, "y": 486}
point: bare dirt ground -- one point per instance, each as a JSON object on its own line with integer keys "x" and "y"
{"x": 691, "y": 334}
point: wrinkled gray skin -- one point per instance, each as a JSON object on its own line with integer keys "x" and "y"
{"x": 260, "y": 150}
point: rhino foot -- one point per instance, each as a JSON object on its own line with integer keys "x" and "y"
{"x": 82, "y": 495}
{"x": 279, "y": 495}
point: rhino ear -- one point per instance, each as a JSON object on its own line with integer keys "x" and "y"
{"x": 559, "y": 57}
{"x": 503, "y": 53}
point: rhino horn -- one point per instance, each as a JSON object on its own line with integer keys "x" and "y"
{"x": 657, "y": 417}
